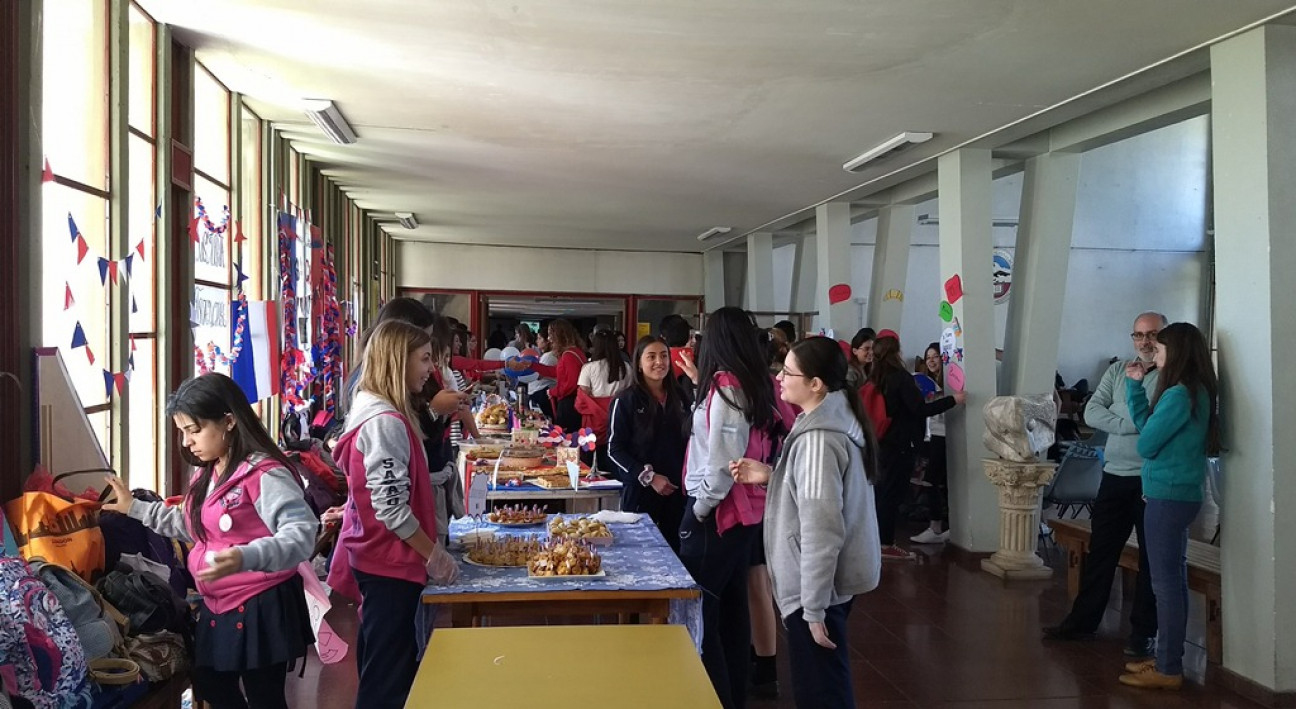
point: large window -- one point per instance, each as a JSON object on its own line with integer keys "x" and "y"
{"x": 213, "y": 224}
{"x": 75, "y": 218}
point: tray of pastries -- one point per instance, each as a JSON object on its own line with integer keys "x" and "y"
{"x": 508, "y": 551}
{"x": 586, "y": 528}
{"x": 493, "y": 416}
{"x": 517, "y": 516}
{"x": 565, "y": 557}
{"x": 524, "y": 456}
{"x": 551, "y": 482}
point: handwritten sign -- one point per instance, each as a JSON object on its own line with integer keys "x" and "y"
{"x": 330, "y": 647}
{"x": 953, "y": 289}
{"x": 475, "y": 493}
{"x": 954, "y": 377}
{"x": 946, "y": 311}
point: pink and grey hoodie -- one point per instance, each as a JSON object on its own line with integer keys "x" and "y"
{"x": 270, "y": 523}
{"x": 390, "y": 496}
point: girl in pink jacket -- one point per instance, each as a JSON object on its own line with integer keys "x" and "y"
{"x": 251, "y": 527}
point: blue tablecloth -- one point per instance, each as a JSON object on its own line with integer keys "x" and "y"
{"x": 638, "y": 559}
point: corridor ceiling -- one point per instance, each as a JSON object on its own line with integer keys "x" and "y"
{"x": 640, "y": 124}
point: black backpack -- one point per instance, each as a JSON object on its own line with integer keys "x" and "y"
{"x": 145, "y": 600}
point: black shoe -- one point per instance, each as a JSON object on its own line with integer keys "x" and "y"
{"x": 764, "y": 690}
{"x": 1064, "y": 633}
{"x": 1140, "y": 647}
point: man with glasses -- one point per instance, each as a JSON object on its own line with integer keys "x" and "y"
{"x": 1118, "y": 507}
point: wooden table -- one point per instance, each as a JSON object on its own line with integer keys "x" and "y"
{"x": 1203, "y": 573}
{"x": 560, "y": 667}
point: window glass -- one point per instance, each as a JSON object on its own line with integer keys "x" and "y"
{"x": 88, "y": 307}
{"x": 74, "y": 117}
{"x": 143, "y": 419}
{"x": 211, "y": 126}
{"x": 141, "y": 71}
{"x": 142, "y": 217}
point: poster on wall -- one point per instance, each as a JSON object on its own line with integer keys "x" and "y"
{"x": 1001, "y": 270}
{"x": 209, "y": 314}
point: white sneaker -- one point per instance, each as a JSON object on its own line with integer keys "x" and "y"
{"x": 929, "y": 537}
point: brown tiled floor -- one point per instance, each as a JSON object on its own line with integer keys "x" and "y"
{"x": 937, "y": 633}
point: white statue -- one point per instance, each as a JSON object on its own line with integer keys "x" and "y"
{"x": 1020, "y": 428}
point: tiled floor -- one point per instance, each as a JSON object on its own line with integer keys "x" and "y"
{"x": 938, "y": 633}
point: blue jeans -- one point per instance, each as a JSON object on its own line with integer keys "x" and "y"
{"x": 1165, "y": 527}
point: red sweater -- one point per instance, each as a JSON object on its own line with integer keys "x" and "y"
{"x": 473, "y": 368}
{"x": 567, "y": 373}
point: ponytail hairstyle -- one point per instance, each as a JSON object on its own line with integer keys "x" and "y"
{"x": 607, "y": 350}
{"x": 1188, "y": 362}
{"x": 822, "y": 358}
{"x": 208, "y": 400}
{"x": 386, "y": 360}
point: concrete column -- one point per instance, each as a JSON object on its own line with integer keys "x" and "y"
{"x": 890, "y": 266}
{"x": 713, "y": 280}
{"x": 1253, "y": 96}
{"x": 760, "y": 275}
{"x": 804, "y": 275}
{"x": 964, "y": 178}
{"x": 1040, "y": 273}
{"x": 833, "y": 254}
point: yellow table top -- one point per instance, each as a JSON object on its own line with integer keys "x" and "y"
{"x": 563, "y": 667}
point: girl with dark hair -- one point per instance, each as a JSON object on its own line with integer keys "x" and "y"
{"x": 861, "y": 356}
{"x": 571, "y": 359}
{"x": 1178, "y": 429}
{"x": 646, "y": 440}
{"x": 908, "y": 413}
{"x": 601, "y": 379}
{"x": 821, "y": 529}
{"x": 387, "y": 549}
{"x": 734, "y": 417}
{"x": 251, "y": 527}
{"x": 933, "y": 451}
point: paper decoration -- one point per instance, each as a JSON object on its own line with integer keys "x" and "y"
{"x": 193, "y": 230}
{"x": 953, "y": 289}
{"x": 958, "y": 329}
{"x": 330, "y": 647}
{"x": 78, "y": 337}
{"x": 550, "y": 437}
{"x": 893, "y": 294}
{"x": 586, "y": 439}
{"x": 68, "y": 301}
{"x": 292, "y": 360}
{"x": 954, "y": 377}
{"x": 327, "y": 353}
{"x": 839, "y": 293}
{"x": 108, "y": 267}
{"x": 948, "y": 341}
{"x": 82, "y": 249}
{"x": 238, "y": 233}
{"x": 946, "y": 311}
{"x": 90, "y": 355}
{"x": 48, "y": 174}
{"x": 109, "y": 380}
{"x": 573, "y": 474}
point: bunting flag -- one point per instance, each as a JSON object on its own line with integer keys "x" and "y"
{"x": 103, "y": 271}
{"x": 140, "y": 247}
{"x": 292, "y": 378}
{"x": 72, "y": 227}
{"x": 68, "y": 301}
{"x": 82, "y": 249}
{"x": 129, "y": 258}
{"x": 48, "y": 174}
{"x": 90, "y": 355}
{"x": 78, "y": 336}
{"x": 157, "y": 213}
{"x": 134, "y": 309}
{"x": 109, "y": 380}
{"x": 108, "y": 267}
{"x": 119, "y": 378}
{"x": 238, "y": 268}
{"x": 112, "y": 270}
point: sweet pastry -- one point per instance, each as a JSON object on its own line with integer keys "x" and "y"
{"x": 516, "y": 514}
{"x": 510, "y": 551}
{"x": 579, "y": 528}
{"x": 493, "y": 415}
{"x": 565, "y": 558}
{"x": 551, "y": 482}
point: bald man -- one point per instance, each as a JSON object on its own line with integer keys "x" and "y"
{"x": 1118, "y": 508}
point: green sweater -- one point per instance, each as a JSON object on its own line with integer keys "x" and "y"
{"x": 1172, "y": 441}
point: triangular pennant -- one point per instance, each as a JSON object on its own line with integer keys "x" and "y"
{"x": 130, "y": 360}
{"x": 90, "y": 355}
{"x": 108, "y": 383}
{"x": 241, "y": 276}
{"x": 140, "y": 248}
{"x": 238, "y": 233}
{"x": 128, "y": 261}
{"x": 72, "y": 227}
{"x": 120, "y": 379}
{"x": 78, "y": 337}
{"x": 82, "y": 249}
{"x": 68, "y": 301}
{"x": 112, "y": 271}
{"x": 103, "y": 271}
{"x": 128, "y": 373}
{"x": 48, "y": 174}
{"x": 134, "y": 309}
{"x": 132, "y": 344}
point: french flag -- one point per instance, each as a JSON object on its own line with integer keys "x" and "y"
{"x": 256, "y": 369}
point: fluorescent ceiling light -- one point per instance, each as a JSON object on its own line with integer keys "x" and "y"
{"x": 932, "y": 219}
{"x": 407, "y": 220}
{"x": 714, "y": 231}
{"x": 884, "y": 149}
{"x": 329, "y": 119}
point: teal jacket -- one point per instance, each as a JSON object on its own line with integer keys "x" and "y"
{"x": 1172, "y": 441}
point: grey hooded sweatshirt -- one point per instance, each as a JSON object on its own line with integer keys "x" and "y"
{"x": 821, "y": 531}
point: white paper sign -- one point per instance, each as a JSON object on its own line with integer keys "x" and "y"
{"x": 476, "y": 502}
{"x": 948, "y": 342}
{"x": 573, "y": 472}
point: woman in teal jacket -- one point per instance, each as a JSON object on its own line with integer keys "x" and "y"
{"x": 1178, "y": 429}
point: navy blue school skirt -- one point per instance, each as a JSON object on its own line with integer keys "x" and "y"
{"x": 269, "y": 628}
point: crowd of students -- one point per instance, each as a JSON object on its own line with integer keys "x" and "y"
{"x": 752, "y": 451}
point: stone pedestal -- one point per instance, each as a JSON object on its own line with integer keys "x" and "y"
{"x": 1020, "y": 487}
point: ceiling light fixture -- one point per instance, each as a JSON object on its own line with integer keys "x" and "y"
{"x": 714, "y": 231}
{"x": 326, "y": 115}
{"x": 933, "y": 220}
{"x": 407, "y": 220}
{"x": 900, "y": 142}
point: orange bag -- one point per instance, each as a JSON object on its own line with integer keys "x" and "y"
{"x": 63, "y": 532}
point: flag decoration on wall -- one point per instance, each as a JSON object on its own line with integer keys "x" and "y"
{"x": 292, "y": 383}
{"x": 109, "y": 268}
{"x": 255, "y": 369}
{"x": 326, "y": 354}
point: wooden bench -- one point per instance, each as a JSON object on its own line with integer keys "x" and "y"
{"x": 1203, "y": 573}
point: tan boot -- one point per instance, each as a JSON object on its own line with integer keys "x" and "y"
{"x": 1151, "y": 679}
{"x": 1140, "y": 666}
